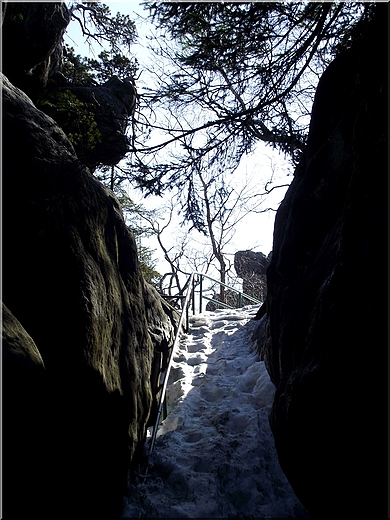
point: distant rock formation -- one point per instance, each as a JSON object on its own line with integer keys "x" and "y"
{"x": 84, "y": 336}
{"x": 252, "y": 267}
{"x": 326, "y": 337}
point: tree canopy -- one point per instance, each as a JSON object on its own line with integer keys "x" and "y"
{"x": 99, "y": 25}
{"x": 222, "y": 77}
{"x": 87, "y": 71}
{"x": 227, "y": 76}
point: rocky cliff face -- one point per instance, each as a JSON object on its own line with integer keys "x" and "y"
{"x": 95, "y": 117}
{"x": 32, "y": 41}
{"x": 252, "y": 267}
{"x": 83, "y": 335}
{"x": 111, "y": 106}
{"x": 326, "y": 342}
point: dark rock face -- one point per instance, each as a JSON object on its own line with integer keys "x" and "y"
{"x": 326, "y": 344}
{"x": 82, "y": 331}
{"x": 83, "y": 335}
{"x": 32, "y": 35}
{"x": 32, "y": 41}
{"x": 111, "y": 104}
{"x": 250, "y": 261}
{"x": 252, "y": 267}
{"x": 27, "y": 420}
{"x": 163, "y": 321}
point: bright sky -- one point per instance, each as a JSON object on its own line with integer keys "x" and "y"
{"x": 255, "y": 232}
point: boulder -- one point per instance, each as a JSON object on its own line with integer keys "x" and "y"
{"x": 250, "y": 262}
{"x": 252, "y": 268}
{"x": 109, "y": 107}
{"x": 326, "y": 330}
{"x": 95, "y": 118}
{"x": 163, "y": 322}
{"x": 27, "y": 415}
{"x": 80, "y": 325}
{"x": 31, "y": 42}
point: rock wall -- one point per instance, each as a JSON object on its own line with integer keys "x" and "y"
{"x": 231, "y": 298}
{"x": 111, "y": 105}
{"x": 32, "y": 41}
{"x": 83, "y": 334}
{"x": 252, "y": 267}
{"x": 95, "y": 117}
{"x": 84, "y": 326}
{"x": 326, "y": 338}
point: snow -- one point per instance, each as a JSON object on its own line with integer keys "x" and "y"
{"x": 214, "y": 455}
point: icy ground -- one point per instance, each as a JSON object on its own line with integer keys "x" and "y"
{"x": 214, "y": 455}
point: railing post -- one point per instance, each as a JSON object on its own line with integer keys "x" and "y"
{"x": 193, "y": 296}
{"x": 166, "y": 376}
{"x": 165, "y": 410}
{"x": 186, "y": 328}
{"x": 162, "y": 407}
{"x": 239, "y": 300}
{"x": 200, "y": 294}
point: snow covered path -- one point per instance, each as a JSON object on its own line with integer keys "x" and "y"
{"x": 214, "y": 455}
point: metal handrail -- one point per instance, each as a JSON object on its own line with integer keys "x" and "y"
{"x": 217, "y": 302}
{"x": 176, "y": 341}
{"x": 184, "y": 313}
{"x": 241, "y": 294}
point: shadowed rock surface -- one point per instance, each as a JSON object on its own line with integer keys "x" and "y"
{"x": 111, "y": 104}
{"x": 81, "y": 323}
{"x": 326, "y": 344}
{"x": 84, "y": 336}
{"x": 96, "y": 116}
{"x": 32, "y": 42}
{"x": 251, "y": 266}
